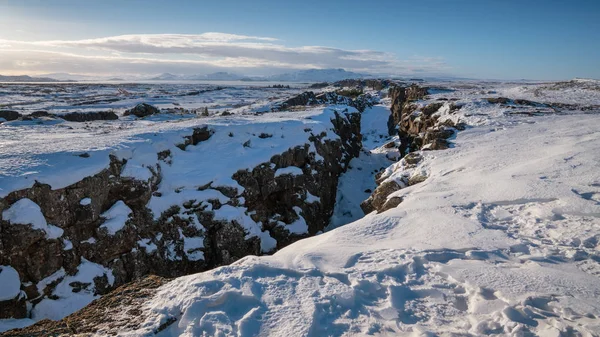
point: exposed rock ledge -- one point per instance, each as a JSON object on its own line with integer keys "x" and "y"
{"x": 291, "y": 196}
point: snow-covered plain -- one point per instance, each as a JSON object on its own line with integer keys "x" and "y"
{"x": 502, "y": 238}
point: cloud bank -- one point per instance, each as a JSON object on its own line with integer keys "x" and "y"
{"x": 196, "y": 54}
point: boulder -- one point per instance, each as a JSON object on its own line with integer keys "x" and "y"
{"x": 40, "y": 113}
{"x": 498, "y": 100}
{"x": 89, "y": 116}
{"x": 379, "y": 197}
{"x": 142, "y": 110}
{"x": 9, "y": 115}
{"x": 392, "y": 202}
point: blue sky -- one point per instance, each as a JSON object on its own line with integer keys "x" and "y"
{"x": 503, "y": 39}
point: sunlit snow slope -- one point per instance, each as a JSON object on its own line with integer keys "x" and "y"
{"x": 502, "y": 238}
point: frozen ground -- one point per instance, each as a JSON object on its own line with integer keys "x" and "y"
{"x": 503, "y": 238}
{"x": 68, "y": 97}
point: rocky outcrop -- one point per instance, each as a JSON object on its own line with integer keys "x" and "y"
{"x": 170, "y": 244}
{"x": 402, "y": 98}
{"x": 417, "y": 126}
{"x": 142, "y": 110}
{"x": 9, "y": 115}
{"x": 395, "y": 178}
{"x": 375, "y": 84}
{"x": 379, "y": 197}
{"x": 98, "y": 316}
{"x": 89, "y": 116}
{"x": 309, "y": 98}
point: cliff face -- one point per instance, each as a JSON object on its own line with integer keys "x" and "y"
{"x": 86, "y": 246}
{"x": 416, "y": 125}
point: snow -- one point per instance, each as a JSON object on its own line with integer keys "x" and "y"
{"x": 68, "y": 244}
{"x": 240, "y": 216}
{"x": 43, "y": 149}
{"x": 311, "y": 198}
{"x": 11, "y": 284}
{"x": 69, "y": 301}
{"x": 501, "y": 238}
{"x": 27, "y": 212}
{"x": 291, "y": 170}
{"x": 148, "y": 245}
{"x": 192, "y": 246}
{"x": 116, "y": 217}
{"x": 11, "y": 323}
{"x": 85, "y": 201}
{"x": 297, "y": 227}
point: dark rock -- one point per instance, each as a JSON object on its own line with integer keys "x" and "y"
{"x": 438, "y": 144}
{"x": 527, "y": 102}
{"x": 416, "y": 179}
{"x": 40, "y": 113}
{"x": 9, "y": 115}
{"x": 442, "y": 132}
{"x": 309, "y": 98}
{"x": 142, "y": 110}
{"x": 379, "y": 197}
{"x": 16, "y": 307}
{"x": 89, "y": 116}
{"x": 392, "y": 202}
{"x": 389, "y": 145}
{"x": 498, "y": 100}
{"x": 199, "y": 135}
{"x": 413, "y": 158}
{"x": 99, "y": 315}
{"x": 431, "y": 108}
{"x": 318, "y": 85}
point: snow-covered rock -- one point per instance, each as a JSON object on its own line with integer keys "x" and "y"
{"x": 168, "y": 197}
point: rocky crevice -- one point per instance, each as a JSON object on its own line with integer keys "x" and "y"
{"x": 146, "y": 245}
{"x": 419, "y": 128}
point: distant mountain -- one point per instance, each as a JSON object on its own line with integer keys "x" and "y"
{"x": 218, "y": 76}
{"x": 67, "y": 77}
{"x": 25, "y": 78}
{"x": 311, "y": 75}
{"x": 317, "y": 75}
{"x": 222, "y": 76}
{"x": 166, "y": 77}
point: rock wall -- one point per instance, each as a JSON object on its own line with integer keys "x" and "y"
{"x": 309, "y": 98}
{"x": 91, "y": 258}
{"x": 416, "y": 125}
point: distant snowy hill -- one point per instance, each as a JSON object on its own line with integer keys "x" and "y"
{"x": 166, "y": 77}
{"x": 316, "y": 75}
{"x": 25, "y": 78}
{"x": 218, "y": 76}
{"x": 311, "y": 75}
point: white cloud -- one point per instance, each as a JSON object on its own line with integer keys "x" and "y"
{"x": 200, "y": 53}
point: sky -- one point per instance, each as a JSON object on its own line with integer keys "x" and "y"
{"x": 487, "y": 39}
